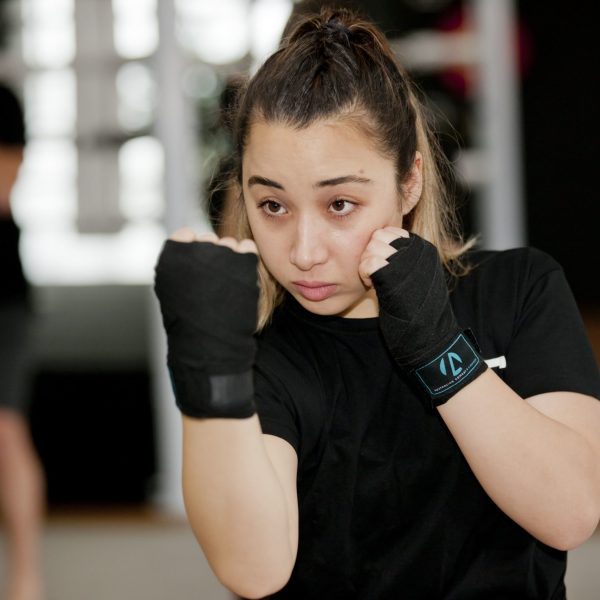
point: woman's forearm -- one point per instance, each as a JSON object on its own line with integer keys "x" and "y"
{"x": 541, "y": 473}
{"x": 236, "y": 504}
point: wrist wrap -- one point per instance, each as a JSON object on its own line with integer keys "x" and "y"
{"x": 418, "y": 323}
{"x": 451, "y": 369}
{"x": 208, "y": 296}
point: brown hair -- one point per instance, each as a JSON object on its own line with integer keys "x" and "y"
{"x": 339, "y": 65}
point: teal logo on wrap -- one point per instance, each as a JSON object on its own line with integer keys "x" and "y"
{"x": 453, "y": 359}
{"x": 449, "y": 368}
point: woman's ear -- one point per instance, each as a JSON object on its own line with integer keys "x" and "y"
{"x": 413, "y": 186}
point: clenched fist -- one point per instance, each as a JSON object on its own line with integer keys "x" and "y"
{"x": 415, "y": 314}
{"x": 377, "y": 251}
{"x": 208, "y": 293}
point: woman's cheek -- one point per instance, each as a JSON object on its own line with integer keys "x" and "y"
{"x": 260, "y": 232}
{"x": 350, "y": 245}
{"x": 273, "y": 250}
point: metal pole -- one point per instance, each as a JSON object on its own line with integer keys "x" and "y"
{"x": 501, "y": 213}
{"x": 170, "y": 129}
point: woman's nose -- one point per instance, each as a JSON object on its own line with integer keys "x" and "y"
{"x": 309, "y": 245}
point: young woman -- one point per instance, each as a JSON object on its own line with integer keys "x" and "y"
{"x": 372, "y": 435}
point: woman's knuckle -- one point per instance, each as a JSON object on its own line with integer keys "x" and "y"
{"x": 247, "y": 245}
{"x": 183, "y": 234}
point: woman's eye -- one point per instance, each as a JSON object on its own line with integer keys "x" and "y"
{"x": 341, "y": 207}
{"x": 271, "y": 208}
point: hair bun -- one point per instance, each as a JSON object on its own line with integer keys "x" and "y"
{"x": 336, "y": 30}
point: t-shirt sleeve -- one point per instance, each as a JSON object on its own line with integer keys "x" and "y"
{"x": 549, "y": 350}
{"x": 274, "y": 403}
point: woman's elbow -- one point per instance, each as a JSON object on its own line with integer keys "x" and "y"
{"x": 575, "y": 532}
{"x": 255, "y": 584}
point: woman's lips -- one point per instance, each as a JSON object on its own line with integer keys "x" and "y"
{"x": 315, "y": 290}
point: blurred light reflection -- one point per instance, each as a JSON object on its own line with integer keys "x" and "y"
{"x": 136, "y": 89}
{"x": 141, "y": 166}
{"x": 216, "y": 32}
{"x": 50, "y": 103}
{"x": 48, "y": 33}
{"x": 135, "y": 28}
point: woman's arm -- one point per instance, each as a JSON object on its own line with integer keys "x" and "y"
{"x": 539, "y": 460}
{"x": 542, "y": 470}
{"x": 239, "y": 490}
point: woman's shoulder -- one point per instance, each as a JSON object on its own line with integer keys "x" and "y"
{"x": 497, "y": 272}
{"x": 501, "y": 286}
{"x": 526, "y": 260}
{"x": 288, "y": 392}
{"x": 520, "y": 306}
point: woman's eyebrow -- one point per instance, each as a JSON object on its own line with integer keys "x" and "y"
{"x": 260, "y": 180}
{"x": 343, "y": 179}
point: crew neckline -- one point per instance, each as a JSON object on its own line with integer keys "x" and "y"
{"x": 331, "y": 322}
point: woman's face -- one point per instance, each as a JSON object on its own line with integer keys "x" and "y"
{"x": 314, "y": 196}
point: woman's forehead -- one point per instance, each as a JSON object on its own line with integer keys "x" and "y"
{"x": 324, "y": 145}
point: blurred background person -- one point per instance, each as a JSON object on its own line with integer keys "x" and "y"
{"x": 21, "y": 475}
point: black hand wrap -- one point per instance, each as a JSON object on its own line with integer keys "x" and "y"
{"x": 418, "y": 323}
{"x": 208, "y": 297}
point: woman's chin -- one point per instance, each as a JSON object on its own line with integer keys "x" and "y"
{"x": 341, "y": 305}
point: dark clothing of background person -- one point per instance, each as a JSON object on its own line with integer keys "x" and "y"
{"x": 12, "y": 140}
{"x": 15, "y": 315}
{"x": 14, "y": 289}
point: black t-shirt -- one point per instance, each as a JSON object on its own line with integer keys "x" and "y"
{"x": 388, "y": 506}
{"x": 12, "y": 124}
{"x": 14, "y": 286}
